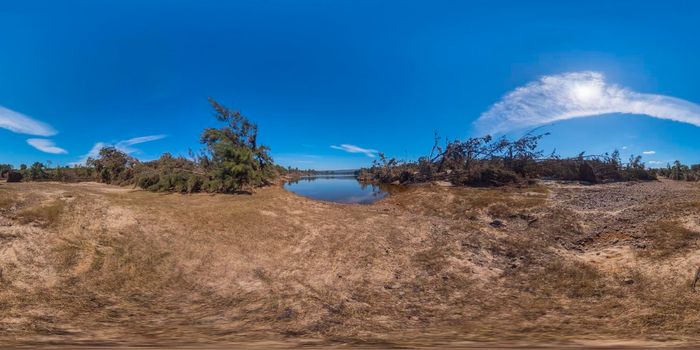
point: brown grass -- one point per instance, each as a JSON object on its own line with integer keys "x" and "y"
{"x": 461, "y": 203}
{"x": 6, "y": 201}
{"x": 42, "y": 215}
{"x": 669, "y": 238}
{"x": 577, "y": 280}
{"x": 126, "y": 267}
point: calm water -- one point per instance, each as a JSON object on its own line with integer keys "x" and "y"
{"x": 337, "y": 188}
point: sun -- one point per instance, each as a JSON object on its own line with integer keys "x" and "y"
{"x": 586, "y": 92}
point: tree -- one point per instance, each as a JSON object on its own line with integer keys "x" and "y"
{"x": 235, "y": 159}
{"x": 113, "y": 165}
{"x": 676, "y": 171}
{"x": 37, "y": 172}
{"x": 5, "y": 169}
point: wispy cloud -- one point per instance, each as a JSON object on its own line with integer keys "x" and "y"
{"x": 123, "y": 145}
{"x": 649, "y": 152}
{"x": 355, "y": 149}
{"x": 578, "y": 94}
{"x": 22, "y": 124}
{"x": 46, "y": 146}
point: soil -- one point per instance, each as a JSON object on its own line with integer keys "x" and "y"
{"x": 553, "y": 264}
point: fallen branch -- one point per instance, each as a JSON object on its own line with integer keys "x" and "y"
{"x": 697, "y": 278}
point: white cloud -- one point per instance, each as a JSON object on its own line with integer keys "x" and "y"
{"x": 578, "y": 94}
{"x": 46, "y": 146}
{"x": 655, "y": 162}
{"x": 649, "y": 152}
{"x": 355, "y": 149}
{"x": 22, "y": 124}
{"x": 123, "y": 145}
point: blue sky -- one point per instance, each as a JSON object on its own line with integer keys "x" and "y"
{"x": 331, "y": 82}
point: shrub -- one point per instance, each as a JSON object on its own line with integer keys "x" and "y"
{"x": 485, "y": 161}
{"x": 37, "y": 172}
{"x": 233, "y": 161}
{"x": 680, "y": 172}
{"x": 14, "y": 176}
{"x": 5, "y": 169}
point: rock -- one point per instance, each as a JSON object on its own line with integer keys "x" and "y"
{"x": 628, "y": 281}
{"x": 497, "y": 223}
{"x": 392, "y": 286}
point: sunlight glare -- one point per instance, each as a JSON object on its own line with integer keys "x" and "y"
{"x": 586, "y": 92}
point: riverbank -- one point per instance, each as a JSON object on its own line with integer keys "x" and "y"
{"x": 94, "y": 264}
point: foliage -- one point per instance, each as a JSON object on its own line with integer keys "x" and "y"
{"x": 680, "y": 172}
{"x": 484, "y": 161}
{"x": 5, "y": 169}
{"x": 232, "y": 161}
{"x": 37, "y": 172}
{"x": 14, "y": 176}
{"x": 235, "y": 161}
{"x": 476, "y": 161}
{"x": 170, "y": 174}
{"x": 113, "y": 166}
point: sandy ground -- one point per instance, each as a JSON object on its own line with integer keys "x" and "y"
{"x": 551, "y": 264}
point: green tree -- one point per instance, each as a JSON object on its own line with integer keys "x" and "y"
{"x": 38, "y": 172}
{"x": 676, "y": 171}
{"x": 235, "y": 159}
{"x": 113, "y": 165}
{"x": 5, "y": 169}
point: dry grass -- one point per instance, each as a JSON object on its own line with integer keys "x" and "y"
{"x": 6, "y": 202}
{"x": 127, "y": 267}
{"x": 669, "y": 238}
{"x": 561, "y": 278}
{"x": 42, "y": 215}
{"x": 461, "y": 203}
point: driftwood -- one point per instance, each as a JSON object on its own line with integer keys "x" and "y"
{"x": 697, "y": 278}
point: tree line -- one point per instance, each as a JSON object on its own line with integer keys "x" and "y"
{"x": 232, "y": 161}
{"x": 488, "y": 161}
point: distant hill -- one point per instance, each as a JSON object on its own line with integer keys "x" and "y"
{"x": 337, "y": 172}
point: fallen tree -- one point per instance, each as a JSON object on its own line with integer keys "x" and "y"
{"x": 485, "y": 161}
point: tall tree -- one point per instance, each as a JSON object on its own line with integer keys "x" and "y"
{"x": 237, "y": 161}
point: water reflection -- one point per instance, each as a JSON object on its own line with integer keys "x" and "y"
{"x": 337, "y": 188}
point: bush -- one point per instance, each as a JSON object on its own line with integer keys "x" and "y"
{"x": 233, "y": 161}
{"x": 681, "y": 172}
{"x": 113, "y": 166}
{"x": 487, "y": 162}
{"x": 14, "y": 176}
{"x": 5, "y": 169}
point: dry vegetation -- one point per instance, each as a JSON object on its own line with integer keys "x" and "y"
{"x": 102, "y": 265}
